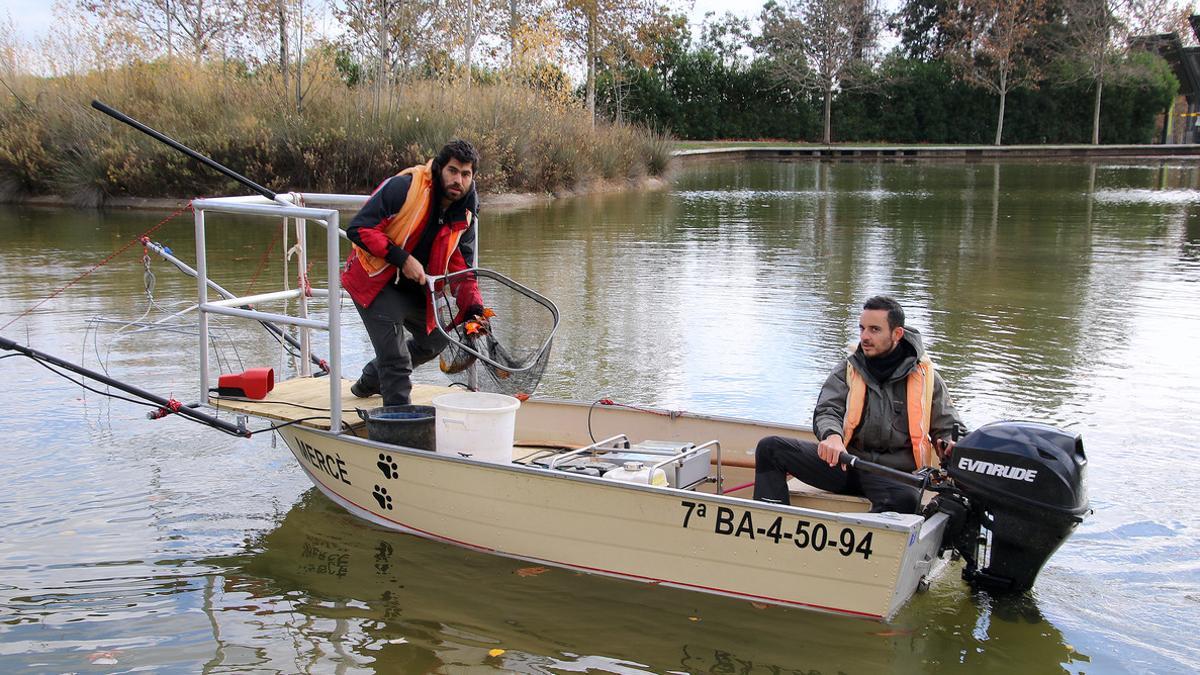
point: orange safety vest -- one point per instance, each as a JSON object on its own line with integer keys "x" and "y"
{"x": 920, "y": 408}
{"x": 408, "y": 219}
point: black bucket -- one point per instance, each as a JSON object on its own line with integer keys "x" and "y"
{"x": 409, "y": 425}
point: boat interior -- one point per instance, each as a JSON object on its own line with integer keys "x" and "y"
{"x": 695, "y": 452}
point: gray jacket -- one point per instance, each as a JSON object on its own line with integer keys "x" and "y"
{"x": 882, "y": 436}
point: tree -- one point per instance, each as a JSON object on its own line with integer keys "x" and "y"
{"x": 1150, "y": 17}
{"x": 1091, "y": 41}
{"x": 920, "y": 26}
{"x": 390, "y": 36}
{"x": 994, "y": 50}
{"x": 815, "y": 44}
{"x": 279, "y": 27}
{"x": 604, "y": 30}
{"x": 202, "y": 26}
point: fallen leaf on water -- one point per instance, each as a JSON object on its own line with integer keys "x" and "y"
{"x": 531, "y": 571}
{"x": 103, "y": 658}
{"x": 758, "y": 605}
{"x": 397, "y": 641}
{"x": 495, "y": 652}
{"x": 693, "y": 618}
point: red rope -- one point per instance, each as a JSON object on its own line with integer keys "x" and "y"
{"x": 739, "y": 487}
{"x": 136, "y": 240}
{"x": 302, "y": 278}
{"x": 172, "y": 406}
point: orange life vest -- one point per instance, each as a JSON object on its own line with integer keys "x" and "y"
{"x": 920, "y": 408}
{"x": 408, "y": 220}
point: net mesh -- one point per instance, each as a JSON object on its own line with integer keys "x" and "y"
{"x": 506, "y": 352}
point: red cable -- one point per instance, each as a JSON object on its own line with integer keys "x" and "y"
{"x": 740, "y": 487}
{"x": 140, "y": 239}
{"x": 609, "y": 401}
{"x": 262, "y": 262}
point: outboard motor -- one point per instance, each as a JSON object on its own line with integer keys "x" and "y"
{"x": 1023, "y": 482}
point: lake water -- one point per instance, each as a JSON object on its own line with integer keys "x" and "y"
{"x": 1058, "y": 292}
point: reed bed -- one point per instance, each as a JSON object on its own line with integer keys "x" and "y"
{"x": 338, "y": 139}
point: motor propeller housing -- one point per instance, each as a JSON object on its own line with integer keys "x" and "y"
{"x": 1024, "y": 483}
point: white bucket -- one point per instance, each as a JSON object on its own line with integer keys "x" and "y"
{"x": 476, "y": 424}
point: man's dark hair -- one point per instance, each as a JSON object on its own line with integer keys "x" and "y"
{"x": 461, "y": 150}
{"x": 894, "y": 310}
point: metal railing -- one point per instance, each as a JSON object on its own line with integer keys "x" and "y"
{"x": 319, "y": 208}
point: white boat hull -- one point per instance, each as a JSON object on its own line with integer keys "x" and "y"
{"x": 859, "y": 564}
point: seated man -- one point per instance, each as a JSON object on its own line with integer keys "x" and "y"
{"x": 884, "y": 404}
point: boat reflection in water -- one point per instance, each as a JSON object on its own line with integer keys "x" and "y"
{"x": 349, "y": 595}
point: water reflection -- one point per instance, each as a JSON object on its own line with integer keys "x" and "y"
{"x": 381, "y": 601}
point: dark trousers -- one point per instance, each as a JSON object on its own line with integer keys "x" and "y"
{"x": 777, "y": 456}
{"x": 385, "y": 319}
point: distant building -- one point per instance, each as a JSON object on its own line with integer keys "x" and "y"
{"x": 1179, "y": 123}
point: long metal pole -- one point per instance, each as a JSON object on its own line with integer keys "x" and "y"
{"x": 166, "y": 404}
{"x": 202, "y": 295}
{"x": 333, "y": 259}
{"x": 122, "y": 117}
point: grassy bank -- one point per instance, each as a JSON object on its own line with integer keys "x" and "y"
{"x": 342, "y": 140}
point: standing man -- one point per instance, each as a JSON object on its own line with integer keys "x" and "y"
{"x": 420, "y": 221}
{"x": 884, "y": 403}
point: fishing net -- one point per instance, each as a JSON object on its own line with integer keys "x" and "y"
{"x": 507, "y": 349}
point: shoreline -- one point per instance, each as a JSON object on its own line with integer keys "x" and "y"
{"x": 493, "y": 201}
{"x": 735, "y": 151}
{"x": 948, "y": 153}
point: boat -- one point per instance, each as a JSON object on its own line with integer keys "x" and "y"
{"x": 548, "y": 499}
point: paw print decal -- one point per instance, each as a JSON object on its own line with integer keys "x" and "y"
{"x": 381, "y": 495}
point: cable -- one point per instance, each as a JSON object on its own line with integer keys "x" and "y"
{"x": 97, "y": 266}
{"x": 81, "y": 384}
{"x": 109, "y": 394}
{"x": 243, "y": 399}
{"x": 288, "y": 424}
{"x": 590, "y": 409}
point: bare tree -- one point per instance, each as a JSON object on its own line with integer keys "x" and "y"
{"x": 1094, "y": 38}
{"x": 204, "y": 26}
{"x": 465, "y": 25}
{"x": 994, "y": 46}
{"x": 1150, "y": 17}
{"x": 390, "y": 36}
{"x": 815, "y": 44}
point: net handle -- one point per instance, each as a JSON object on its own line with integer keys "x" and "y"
{"x": 431, "y": 283}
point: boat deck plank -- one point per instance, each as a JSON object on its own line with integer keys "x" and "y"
{"x": 306, "y": 397}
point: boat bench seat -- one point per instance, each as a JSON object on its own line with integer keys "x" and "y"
{"x": 803, "y": 494}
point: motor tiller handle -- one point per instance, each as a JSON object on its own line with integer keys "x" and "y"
{"x": 848, "y": 460}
